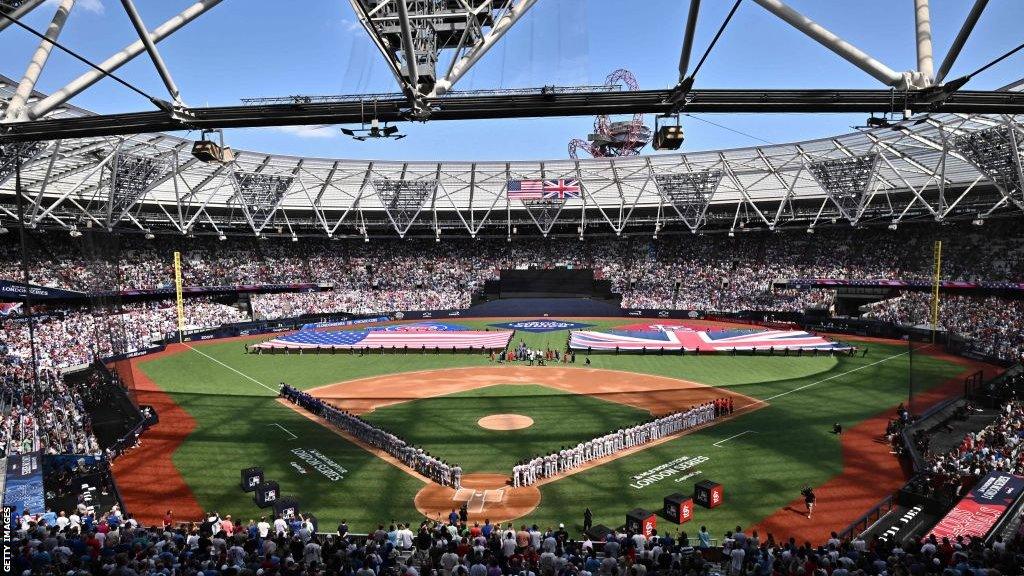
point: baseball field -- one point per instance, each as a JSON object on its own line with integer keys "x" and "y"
{"x": 219, "y": 413}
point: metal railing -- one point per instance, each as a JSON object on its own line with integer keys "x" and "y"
{"x": 860, "y": 525}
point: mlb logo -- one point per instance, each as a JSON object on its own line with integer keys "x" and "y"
{"x": 252, "y": 477}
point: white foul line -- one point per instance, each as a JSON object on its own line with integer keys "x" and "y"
{"x": 833, "y": 377}
{"x": 243, "y": 374}
{"x": 287, "y": 431}
{"x": 733, "y": 436}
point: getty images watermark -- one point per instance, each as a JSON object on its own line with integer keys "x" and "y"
{"x": 7, "y": 537}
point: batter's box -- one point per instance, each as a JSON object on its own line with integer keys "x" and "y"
{"x": 476, "y": 500}
{"x": 463, "y": 495}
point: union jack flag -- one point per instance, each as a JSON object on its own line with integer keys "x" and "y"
{"x": 714, "y": 341}
{"x": 544, "y": 189}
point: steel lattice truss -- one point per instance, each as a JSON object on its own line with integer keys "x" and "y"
{"x": 402, "y": 200}
{"x": 259, "y": 195}
{"x": 846, "y": 182}
{"x": 9, "y": 154}
{"x": 132, "y": 176}
{"x": 922, "y": 171}
{"x": 689, "y": 193}
{"x": 8, "y": 6}
{"x": 413, "y": 36}
{"x": 544, "y": 213}
{"x": 997, "y": 152}
{"x": 419, "y": 38}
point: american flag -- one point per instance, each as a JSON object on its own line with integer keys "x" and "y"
{"x": 717, "y": 341}
{"x": 388, "y": 339}
{"x": 543, "y": 189}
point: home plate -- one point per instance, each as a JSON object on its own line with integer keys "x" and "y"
{"x": 476, "y": 499}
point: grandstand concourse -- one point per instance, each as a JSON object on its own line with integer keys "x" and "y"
{"x": 511, "y": 288}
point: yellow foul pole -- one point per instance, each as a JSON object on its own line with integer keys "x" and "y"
{"x": 177, "y": 293}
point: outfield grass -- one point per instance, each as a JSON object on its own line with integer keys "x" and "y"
{"x": 789, "y": 444}
{"x": 446, "y": 426}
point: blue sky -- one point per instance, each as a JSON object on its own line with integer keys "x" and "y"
{"x": 246, "y": 48}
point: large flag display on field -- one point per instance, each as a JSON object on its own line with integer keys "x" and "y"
{"x": 982, "y": 507}
{"x": 414, "y": 336}
{"x": 543, "y": 189}
{"x": 677, "y": 337}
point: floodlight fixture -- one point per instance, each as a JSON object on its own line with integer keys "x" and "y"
{"x": 208, "y": 151}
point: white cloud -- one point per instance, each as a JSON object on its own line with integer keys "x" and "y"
{"x": 94, "y": 6}
{"x": 349, "y": 25}
{"x": 320, "y": 132}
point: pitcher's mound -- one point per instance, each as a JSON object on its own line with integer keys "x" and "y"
{"x": 505, "y": 422}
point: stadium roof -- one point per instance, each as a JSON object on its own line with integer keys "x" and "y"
{"x": 936, "y": 151}
{"x": 916, "y": 169}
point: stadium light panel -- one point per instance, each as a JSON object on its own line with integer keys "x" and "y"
{"x": 689, "y": 193}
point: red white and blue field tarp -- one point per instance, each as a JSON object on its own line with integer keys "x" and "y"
{"x": 416, "y": 336}
{"x": 978, "y": 512}
{"x": 677, "y": 337}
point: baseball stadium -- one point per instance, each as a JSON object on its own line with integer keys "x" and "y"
{"x": 494, "y": 292}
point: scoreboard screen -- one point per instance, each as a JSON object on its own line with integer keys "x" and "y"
{"x": 552, "y": 283}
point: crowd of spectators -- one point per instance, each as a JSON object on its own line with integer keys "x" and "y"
{"x": 113, "y": 543}
{"x": 991, "y": 325}
{"x": 713, "y": 272}
{"x": 272, "y": 306}
{"x": 41, "y": 415}
{"x": 74, "y": 336}
{"x": 995, "y": 447}
{"x": 44, "y": 412}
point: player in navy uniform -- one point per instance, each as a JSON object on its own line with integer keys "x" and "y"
{"x": 809, "y": 499}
